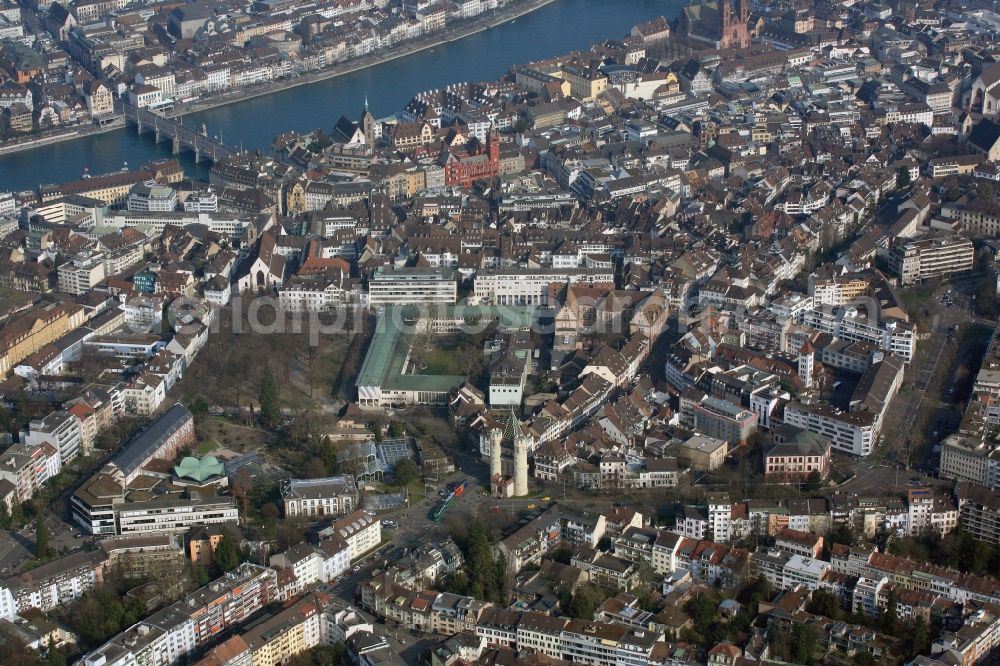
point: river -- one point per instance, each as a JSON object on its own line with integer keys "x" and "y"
{"x": 555, "y": 29}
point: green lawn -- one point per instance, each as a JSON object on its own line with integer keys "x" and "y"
{"x": 205, "y": 447}
{"x": 442, "y": 362}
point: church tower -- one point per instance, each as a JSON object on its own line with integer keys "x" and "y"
{"x": 367, "y": 125}
{"x": 735, "y": 28}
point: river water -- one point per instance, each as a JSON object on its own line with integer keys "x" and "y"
{"x": 555, "y": 29}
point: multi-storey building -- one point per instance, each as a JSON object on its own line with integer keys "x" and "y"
{"x": 144, "y": 556}
{"x": 27, "y": 467}
{"x": 986, "y": 387}
{"x": 361, "y": 531}
{"x": 914, "y": 260}
{"x": 524, "y": 286}
{"x": 724, "y": 420}
{"x": 81, "y": 274}
{"x": 311, "y": 564}
{"x": 850, "y": 432}
{"x": 980, "y": 217}
{"x": 979, "y": 512}
{"x": 24, "y": 334}
{"x": 157, "y": 198}
{"x": 412, "y": 286}
{"x": 972, "y": 460}
{"x": 703, "y": 453}
{"x": 330, "y": 496}
{"x": 600, "y": 644}
{"x": 156, "y": 516}
{"x": 314, "y": 293}
{"x": 52, "y": 584}
{"x": 975, "y": 641}
{"x": 229, "y": 225}
{"x": 175, "y": 632}
{"x": 162, "y": 439}
{"x": 60, "y": 429}
{"x": 837, "y": 290}
{"x": 851, "y": 323}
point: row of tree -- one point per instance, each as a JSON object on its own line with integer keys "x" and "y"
{"x": 957, "y": 549}
{"x": 485, "y": 574}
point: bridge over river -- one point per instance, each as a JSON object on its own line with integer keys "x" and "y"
{"x": 172, "y": 129}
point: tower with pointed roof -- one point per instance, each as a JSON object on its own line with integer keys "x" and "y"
{"x": 511, "y": 435}
{"x": 807, "y": 360}
{"x": 367, "y": 124}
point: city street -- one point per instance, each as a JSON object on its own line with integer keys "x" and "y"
{"x": 14, "y": 549}
{"x": 932, "y": 399}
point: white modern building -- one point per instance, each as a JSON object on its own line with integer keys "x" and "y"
{"x": 851, "y": 323}
{"x": 850, "y": 432}
{"x": 919, "y": 259}
{"x": 412, "y": 286}
{"x": 150, "y": 197}
{"x": 81, "y": 274}
{"x": 525, "y": 286}
{"x": 60, "y": 429}
{"x": 174, "y": 515}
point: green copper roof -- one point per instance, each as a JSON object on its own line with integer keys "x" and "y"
{"x": 199, "y": 470}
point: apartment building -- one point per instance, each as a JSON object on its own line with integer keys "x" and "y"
{"x": 974, "y": 642}
{"x": 361, "y": 531}
{"x": 81, "y": 274}
{"x": 144, "y": 394}
{"x": 579, "y": 641}
{"x": 979, "y": 511}
{"x": 986, "y": 387}
{"x": 412, "y": 286}
{"x": 311, "y": 564}
{"x": 723, "y": 420}
{"x": 60, "y": 429}
{"x": 230, "y": 600}
{"x": 144, "y": 556}
{"x": 853, "y": 323}
{"x": 917, "y": 259}
{"x": 51, "y": 584}
{"x": 786, "y": 570}
{"x": 27, "y": 467}
{"x": 171, "y": 634}
{"x": 849, "y": 432}
{"x": 316, "y": 619}
{"x": 603, "y": 644}
{"x": 972, "y": 460}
